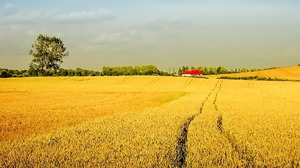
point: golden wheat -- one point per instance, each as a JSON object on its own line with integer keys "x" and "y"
{"x": 247, "y": 124}
{"x": 264, "y": 121}
{"x": 141, "y": 122}
{"x": 124, "y": 136}
{"x": 290, "y": 73}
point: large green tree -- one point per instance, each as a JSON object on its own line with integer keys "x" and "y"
{"x": 48, "y": 53}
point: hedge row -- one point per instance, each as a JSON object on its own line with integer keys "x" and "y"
{"x": 258, "y": 78}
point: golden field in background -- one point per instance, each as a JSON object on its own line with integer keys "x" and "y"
{"x": 289, "y": 73}
{"x": 30, "y": 105}
{"x": 148, "y": 122}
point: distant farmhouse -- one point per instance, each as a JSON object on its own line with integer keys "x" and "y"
{"x": 192, "y": 73}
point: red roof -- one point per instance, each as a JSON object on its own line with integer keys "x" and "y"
{"x": 193, "y": 72}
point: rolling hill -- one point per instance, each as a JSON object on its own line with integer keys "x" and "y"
{"x": 290, "y": 73}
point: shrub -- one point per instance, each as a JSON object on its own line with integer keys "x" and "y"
{"x": 3, "y": 74}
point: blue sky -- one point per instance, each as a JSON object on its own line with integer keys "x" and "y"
{"x": 167, "y": 33}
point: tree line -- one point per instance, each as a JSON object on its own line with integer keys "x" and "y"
{"x": 258, "y": 78}
{"x": 118, "y": 71}
{"x": 214, "y": 70}
{"x": 132, "y": 70}
{"x": 106, "y": 71}
{"x": 7, "y": 73}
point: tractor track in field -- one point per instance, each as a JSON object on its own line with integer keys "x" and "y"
{"x": 124, "y": 80}
{"x": 273, "y": 95}
{"x": 187, "y": 83}
{"x": 243, "y": 152}
{"x": 181, "y": 153}
{"x": 216, "y": 96}
{"x": 155, "y": 80}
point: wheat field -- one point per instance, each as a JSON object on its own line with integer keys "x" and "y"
{"x": 148, "y": 122}
{"x": 289, "y": 73}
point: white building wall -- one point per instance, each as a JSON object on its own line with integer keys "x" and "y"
{"x": 186, "y": 75}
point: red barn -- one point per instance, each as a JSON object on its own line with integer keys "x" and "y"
{"x": 192, "y": 73}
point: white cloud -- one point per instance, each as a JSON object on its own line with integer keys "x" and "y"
{"x": 117, "y": 38}
{"x": 85, "y": 16}
{"x": 13, "y": 15}
{"x": 111, "y": 38}
{"x": 9, "y": 9}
